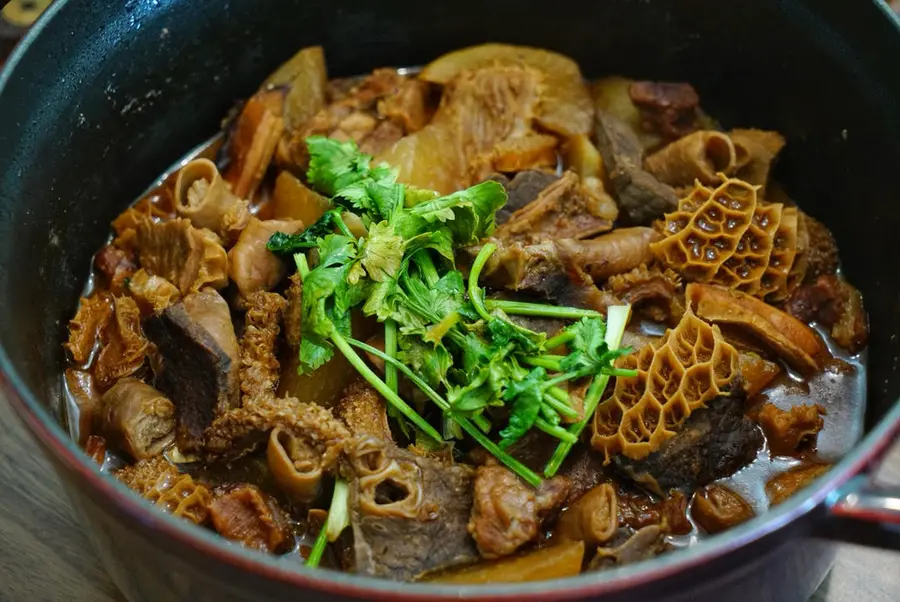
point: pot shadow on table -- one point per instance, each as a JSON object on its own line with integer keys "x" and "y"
{"x": 46, "y": 557}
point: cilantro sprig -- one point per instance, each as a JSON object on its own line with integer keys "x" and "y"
{"x": 481, "y": 371}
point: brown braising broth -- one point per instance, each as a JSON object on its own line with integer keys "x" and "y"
{"x": 840, "y": 388}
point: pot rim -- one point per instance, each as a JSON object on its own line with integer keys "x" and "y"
{"x": 48, "y": 431}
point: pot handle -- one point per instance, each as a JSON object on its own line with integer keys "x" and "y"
{"x": 865, "y": 511}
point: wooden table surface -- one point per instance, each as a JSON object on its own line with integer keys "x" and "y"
{"x": 45, "y": 557}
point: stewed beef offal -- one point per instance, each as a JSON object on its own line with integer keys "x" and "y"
{"x": 487, "y": 322}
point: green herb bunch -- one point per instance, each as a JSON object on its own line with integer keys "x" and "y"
{"x": 460, "y": 349}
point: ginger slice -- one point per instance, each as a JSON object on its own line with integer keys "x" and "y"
{"x": 689, "y": 367}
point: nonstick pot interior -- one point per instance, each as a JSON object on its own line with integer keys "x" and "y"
{"x": 106, "y": 95}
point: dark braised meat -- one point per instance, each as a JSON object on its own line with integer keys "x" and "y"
{"x": 375, "y": 113}
{"x": 408, "y": 513}
{"x": 565, "y": 209}
{"x": 669, "y": 109}
{"x": 641, "y": 197}
{"x": 199, "y": 371}
{"x": 637, "y": 509}
{"x": 823, "y": 252}
{"x": 524, "y": 188}
{"x": 507, "y": 512}
{"x": 711, "y": 444}
{"x": 245, "y": 514}
{"x": 792, "y": 431}
{"x": 835, "y": 304}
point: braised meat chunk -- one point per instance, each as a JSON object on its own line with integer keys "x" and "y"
{"x": 245, "y": 514}
{"x": 711, "y": 444}
{"x": 199, "y": 362}
{"x": 669, "y": 109}
{"x": 506, "y": 511}
{"x": 565, "y": 209}
{"x": 641, "y": 197}
{"x": 792, "y": 431}
{"x": 408, "y": 513}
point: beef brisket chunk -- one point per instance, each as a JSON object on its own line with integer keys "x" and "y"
{"x": 711, "y": 444}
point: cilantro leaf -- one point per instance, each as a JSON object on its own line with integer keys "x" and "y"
{"x": 280, "y": 242}
{"x": 503, "y": 332}
{"x": 589, "y": 353}
{"x": 469, "y": 214}
{"x": 526, "y": 398}
{"x": 382, "y": 252}
{"x": 335, "y": 165}
{"x": 378, "y": 194}
{"x": 430, "y": 362}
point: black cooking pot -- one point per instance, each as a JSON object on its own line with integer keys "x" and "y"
{"x": 104, "y": 95}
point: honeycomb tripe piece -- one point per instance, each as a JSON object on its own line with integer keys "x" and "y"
{"x": 689, "y": 367}
{"x": 797, "y": 272}
{"x": 706, "y": 229}
{"x": 774, "y": 284}
{"x": 747, "y": 266}
{"x": 177, "y": 493}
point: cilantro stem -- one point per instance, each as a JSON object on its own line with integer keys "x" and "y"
{"x": 560, "y": 339}
{"x": 527, "y": 475}
{"x": 395, "y": 400}
{"x": 625, "y": 372}
{"x": 523, "y": 308}
{"x": 480, "y": 420}
{"x": 475, "y": 293}
{"x": 520, "y": 469}
{"x": 563, "y": 409}
{"x": 302, "y": 265}
{"x": 547, "y": 362}
{"x": 555, "y": 431}
{"x": 390, "y": 348}
{"x": 558, "y": 394}
{"x": 315, "y": 555}
{"x": 617, "y": 320}
{"x": 337, "y": 520}
{"x": 426, "y": 264}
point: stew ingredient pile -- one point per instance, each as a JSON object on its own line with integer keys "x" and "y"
{"x": 484, "y": 323}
